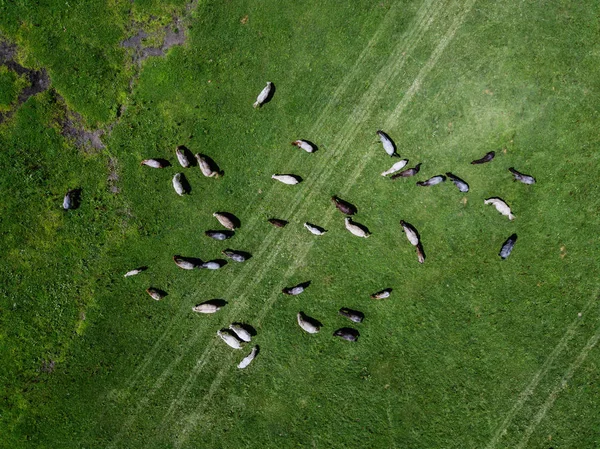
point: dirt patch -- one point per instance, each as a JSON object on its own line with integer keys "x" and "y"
{"x": 135, "y": 41}
{"x": 113, "y": 175}
{"x": 7, "y": 51}
{"x": 74, "y": 130}
{"x": 172, "y": 35}
{"x": 39, "y": 80}
{"x": 48, "y": 366}
{"x": 73, "y": 125}
{"x": 169, "y": 36}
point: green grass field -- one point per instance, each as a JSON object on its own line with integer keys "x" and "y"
{"x": 470, "y": 351}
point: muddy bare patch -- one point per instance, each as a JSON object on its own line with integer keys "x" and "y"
{"x": 38, "y": 80}
{"x": 7, "y": 51}
{"x": 72, "y": 124}
{"x": 48, "y": 366}
{"x": 170, "y": 36}
{"x": 113, "y": 175}
{"x": 74, "y": 130}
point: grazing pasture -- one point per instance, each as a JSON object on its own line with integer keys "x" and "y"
{"x": 466, "y": 349}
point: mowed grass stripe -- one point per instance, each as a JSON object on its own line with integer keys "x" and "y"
{"x": 170, "y": 329}
{"x": 191, "y": 420}
{"x": 426, "y": 16}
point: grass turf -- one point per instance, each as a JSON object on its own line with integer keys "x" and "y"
{"x": 10, "y": 84}
{"x": 467, "y": 346}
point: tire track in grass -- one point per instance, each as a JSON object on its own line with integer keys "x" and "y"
{"x": 530, "y": 388}
{"x": 425, "y": 18}
{"x": 197, "y": 415}
{"x": 337, "y": 95}
{"x": 415, "y": 86}
{"x": 143, "y": 402}
{"x": 183, "y": 392}
{"x": 160, "y": 381}
{"x": 368, "y": 156}
{"x": 184, "y": 309}
{"x": 352, "y": 74}
{"x": 319, "y": 123}
{"x": 170, "y": 328}
{"x": 539, "y": 416}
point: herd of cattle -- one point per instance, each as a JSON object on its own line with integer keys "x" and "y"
{"x": 238, "y": 333}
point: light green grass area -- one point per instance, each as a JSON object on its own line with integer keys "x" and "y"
{"x": 470, "y": 351}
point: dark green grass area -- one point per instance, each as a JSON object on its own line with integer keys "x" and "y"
{"x": 47, "y": 268}
{"x": 467, "y": 346}
{"x": 10, "y": 85}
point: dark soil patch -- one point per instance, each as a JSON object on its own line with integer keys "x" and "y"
{"x": 48, "y": 366}
{"x": 173, "y": 35}
{"x": 73, "y": 129}
{"x": 38, "y": 79}
{"x": 113, "y": 175}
